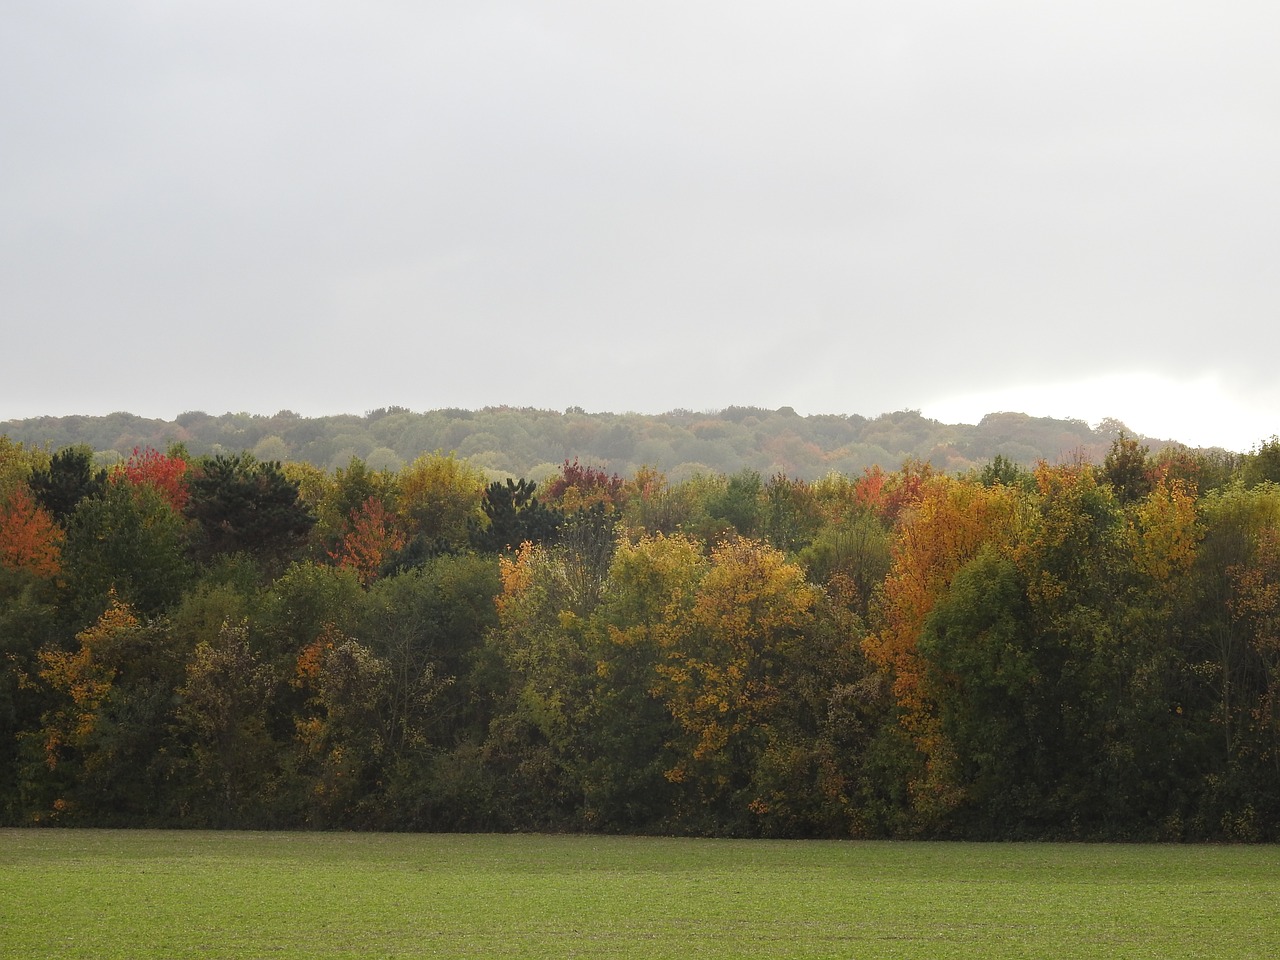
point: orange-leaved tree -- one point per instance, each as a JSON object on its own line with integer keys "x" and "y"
{"x": 948, "y": 526}
{"x": 889, "y": 494}
{"x": 373, "y": 535}
{"x": 30, "y": 539}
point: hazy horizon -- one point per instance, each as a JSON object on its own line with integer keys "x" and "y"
{"x": 955, "y": 415}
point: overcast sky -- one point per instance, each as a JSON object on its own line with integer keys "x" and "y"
{"x": 1060, "y": 208}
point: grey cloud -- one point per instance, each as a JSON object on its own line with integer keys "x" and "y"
{"x": 846, "y": 207}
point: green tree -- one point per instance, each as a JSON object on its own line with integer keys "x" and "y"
{"x": 225, "y": 592}
{"x": 1127, "y": 469}
{"x": 242, "y": 504}
{"x": 540, "y": 737}
{"x": 28, "y": 622}
{"x": 1096, "y": 581}
{"x": 343, "y": 733}
{"x": 650, "y": 586}
{"x": 791, "y": 513}
{"x": 739, "y": 504}
{"x": 127, "y": 539}
{"x": 69, "y": 478}
{"x": 852, "y": 558}
{"x": 302, "y": 604}
{"x": 514, "y": 516}
{"x": 223, "y": 725}
{"x": 990, "y": 699}
{"x": 1262, "y": 464}
{"x": 587, "y": 540}
{"x": 440, "y": 497}
{"x": 1234, "y": 587}
{"x": 103, "y": 736}
{"x": 1002, "y": 470}
{"x": 429, "y": 626}
{"x": 1157, "y": 749}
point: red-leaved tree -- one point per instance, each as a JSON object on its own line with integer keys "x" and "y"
{"x": 165, "y": 473}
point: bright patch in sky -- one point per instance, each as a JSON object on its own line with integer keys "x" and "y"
{"x": 1198, "y": 412}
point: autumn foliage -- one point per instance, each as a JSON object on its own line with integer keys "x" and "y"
{"x": 1051, "y": 651}
{"x": 30, "y": 540}
{"x": 373, "y": 536}
{"x": 580, "y": 486}
{"x": 83, "y": 678}
{"x": 166, "y": 473}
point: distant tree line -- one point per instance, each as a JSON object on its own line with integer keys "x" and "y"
{"x": 528, "y": 443}
{"x": 1075, "y": 650}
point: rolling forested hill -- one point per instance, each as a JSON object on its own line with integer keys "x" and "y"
{"x": 506, "y": 441}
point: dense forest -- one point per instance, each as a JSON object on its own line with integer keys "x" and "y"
{"x": 529, "y": 443}
{"x": 1085, "y": 647}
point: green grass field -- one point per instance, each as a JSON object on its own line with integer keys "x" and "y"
{"x": 100, "y": 894}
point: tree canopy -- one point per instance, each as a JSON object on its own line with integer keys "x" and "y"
{"x": 1077, "y": 649}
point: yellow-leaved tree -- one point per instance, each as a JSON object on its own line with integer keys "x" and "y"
{"x": 103, "y": 736}
{"x": 724, "y": 666}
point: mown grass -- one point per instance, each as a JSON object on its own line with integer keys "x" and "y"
{"x": 101, "y": 894}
